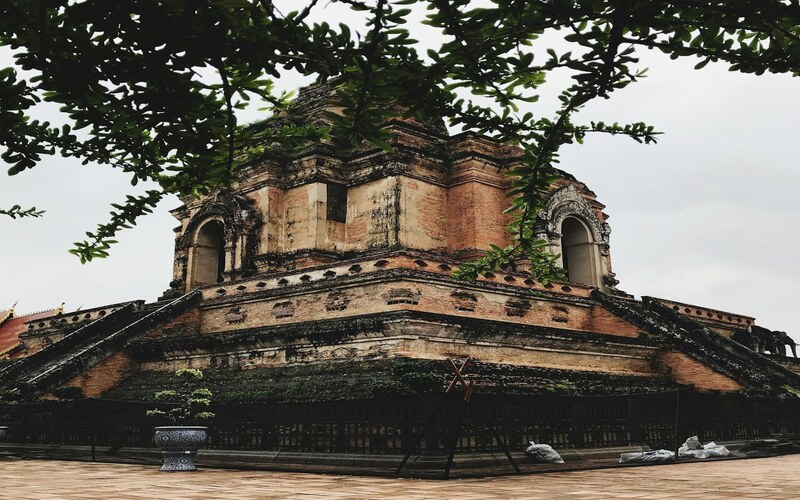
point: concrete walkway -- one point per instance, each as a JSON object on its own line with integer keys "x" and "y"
{"x": 777, "y": 477}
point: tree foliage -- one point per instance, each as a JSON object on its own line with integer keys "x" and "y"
{"x": 17, "y": 211}
{"x": 190, "y": 399}
{"x": 151, "y": 87}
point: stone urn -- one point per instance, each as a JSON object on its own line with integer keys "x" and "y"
{"x": 179, "y": 444}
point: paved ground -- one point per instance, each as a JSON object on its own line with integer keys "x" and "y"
{"x": 756, "y": 478}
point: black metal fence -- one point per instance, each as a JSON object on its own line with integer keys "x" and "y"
{"x": 421, "y": 423}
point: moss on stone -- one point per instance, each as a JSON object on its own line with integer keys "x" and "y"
{"x": 387, "y": 377}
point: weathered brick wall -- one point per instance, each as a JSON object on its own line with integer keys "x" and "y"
{"x": 423, "y": 217}
{"x": 274, "y": 226}
{"x": 490, "y": 221}
{"x": 231, "y": 307}
{"x": 297, "y": 218}
{"x": 104, "y": 375}
{"x": 406, "y": 294}
{"x": 461, "y": 217}
{"x": 475, "y": 216}
{"x": 33, "y": 344}
{"x": 371, "y": 214}
{"x": 688, "y": 371}
{"x": 424, "y": 340}
{"x": 268, "y": 201}
{"x": 605, "y": 321}
{"x": 187, "y": 323}
{"x": 539, "y": 357}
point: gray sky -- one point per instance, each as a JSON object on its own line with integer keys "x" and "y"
{"x": 708, "y": 216}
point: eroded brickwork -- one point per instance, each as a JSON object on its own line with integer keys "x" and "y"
{"x": 188, "y": 323}
{"x": 685, "y": 370}
{"x": 103, "y": 376}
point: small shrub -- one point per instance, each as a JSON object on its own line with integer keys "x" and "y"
{"x": 12, "y": 395}
{"x": 792, "y": 390}
{"x": 191, "y": 400}
{"x": 68, "y": 392}
{"x": 564, "y": 387}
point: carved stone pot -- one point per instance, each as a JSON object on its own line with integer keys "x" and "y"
{"x": 178, "y": 445}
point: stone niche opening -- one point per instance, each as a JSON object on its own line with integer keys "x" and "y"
{"x": 208, "y": 254}
{"x": 579, "y": 253}
{"x": 337, "y": 202}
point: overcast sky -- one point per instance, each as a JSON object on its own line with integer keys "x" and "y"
{"x": 708, "y": 216}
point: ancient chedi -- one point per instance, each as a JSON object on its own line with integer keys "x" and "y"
{"x": 322, "y": 266}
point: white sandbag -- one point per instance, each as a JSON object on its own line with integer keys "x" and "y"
{"x": 647, "y": 457}
{"x": 692, "y": 443}
{"x": 715, "y": 451}
{"x": 544, "y": 453}
{"x": 693, "y": 449}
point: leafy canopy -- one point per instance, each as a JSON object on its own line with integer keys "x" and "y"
{"x": 152, "y": 87}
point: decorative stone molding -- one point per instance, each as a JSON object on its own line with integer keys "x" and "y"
{"x": 517, "y": 307}
{"x": 610, "y": 280}
{"x": 402, "y": 296}
{"x": 568, "y": 202}
{"x": 283, "y": 309}
{"x": 236, "y": 315}
{"x": 464, "y": 301}
{"x": 337, "y": 301}
{"x": 237, "y": 214}
{"x": 560, "y": 314}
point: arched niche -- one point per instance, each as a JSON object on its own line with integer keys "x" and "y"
{"x": 240, "y": 222}
{"x": 208, "y": 253}
{"x": 567, "y": 208}
{"x": 579, "y": 253}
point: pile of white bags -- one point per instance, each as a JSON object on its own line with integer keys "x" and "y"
{"x": 647, "y": 457}
{"x": 692, "y": 448}
{"x": 695, "y": 449}
{"x": 544, "y": 453}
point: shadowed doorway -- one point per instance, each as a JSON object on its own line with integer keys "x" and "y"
{"x": 577, "y": 252}
{"x": 209, "y": 254}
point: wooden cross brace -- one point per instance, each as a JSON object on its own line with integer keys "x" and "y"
{"x": 459, "y": 380}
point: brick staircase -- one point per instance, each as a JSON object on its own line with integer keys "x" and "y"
{"x": 747, "y": 367}
{"x": 85, "y": 347}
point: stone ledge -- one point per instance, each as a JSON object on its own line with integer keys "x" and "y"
{"x": 267, "y": 459}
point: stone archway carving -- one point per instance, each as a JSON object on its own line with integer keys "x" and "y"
{"x": 240, "y": 221}
{"x": 568, "y": 202}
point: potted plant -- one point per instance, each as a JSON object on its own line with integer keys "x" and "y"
{"x": 179, "y": 442}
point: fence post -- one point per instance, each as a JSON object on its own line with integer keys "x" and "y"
{"x": 58, "y": 415}
{"x": 267, "y": 434}
{"x": 511, "y": 425}
{"x": 146, "y": 432}
{"x": 677, "y": 422}
{"x": 341, "y": 435}
{"x": 432, "y": 430}
{"x": 763, "y": 416}
{"x": 635, "y": 420}
{"x": 91, "y": 428}
{"x": 578, "y": 419}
